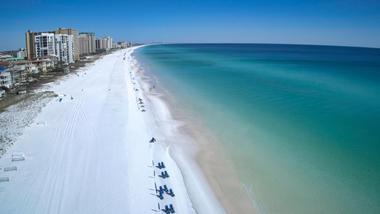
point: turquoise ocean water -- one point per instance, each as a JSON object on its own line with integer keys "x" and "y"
{"x": 300, "y": 123}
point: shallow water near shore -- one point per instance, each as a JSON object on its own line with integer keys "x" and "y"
{"x": 299, "y": 123}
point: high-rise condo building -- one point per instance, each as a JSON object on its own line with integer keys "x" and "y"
{"x": 70, "y": 31}
{"x": 64, "y": 48}
{"x": 40, "y": 45}
{"x": 87, "y": 44}
{"x": 44, "y": 45}
{"x": 104, "y": 43}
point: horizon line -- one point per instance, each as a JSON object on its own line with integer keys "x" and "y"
{"x": 237, "y": 43}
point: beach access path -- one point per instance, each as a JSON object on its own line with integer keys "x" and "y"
{"x": 88, "y": 151}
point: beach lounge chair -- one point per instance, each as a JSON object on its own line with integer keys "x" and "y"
{"x": 162, "y": 175}
{"x": 160, "y": 196}
{"x": 170, "y": 192}
{"x": 171, "y": 208}
{"x": 160, "y": 165}
{"x": 167, "y": 210}
{"x": 161, "y": 190}
{"x": 166, "y": 174}
{"x": 18, "y": 157}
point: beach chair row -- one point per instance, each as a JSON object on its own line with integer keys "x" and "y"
{"x": 14, "y": 158}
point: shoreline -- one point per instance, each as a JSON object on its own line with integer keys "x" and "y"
{"x": 164, "y": 129}
{"x": 198, "y": 151}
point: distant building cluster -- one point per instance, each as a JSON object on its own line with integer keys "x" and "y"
{"x": 104, "y": 43}
{"x": 66, "y": 45}
{"x": 46, "y": 51}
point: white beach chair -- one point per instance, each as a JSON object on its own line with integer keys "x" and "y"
{"x": 4, "y": 179}
{"x": 18, "y": 157}
{"x": 10, "y": 168}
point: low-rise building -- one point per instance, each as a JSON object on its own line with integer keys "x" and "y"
{"x": 44, "y": 65}
{"x": 19, "y": 74}
{"x": 5, "y": 57}
{"x": 31, "y": 68}
{"x": 5, "y": 79}
{"x": 2, "y": 93}
{"x": 21, "y": 54}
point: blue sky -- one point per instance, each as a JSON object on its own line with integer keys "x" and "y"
{"x": 334, "y": 22}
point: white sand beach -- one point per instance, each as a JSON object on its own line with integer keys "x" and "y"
{"x": 88, "y": 150}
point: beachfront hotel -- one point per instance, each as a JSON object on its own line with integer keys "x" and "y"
{"x": 42, "y": 45}
{"x": 64, "y": 48}
{"x": 104, "y": 43}
{"x": 87, "y": 43}
{"x": 66, "y": 44}
{"x": 74, "y": 33}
